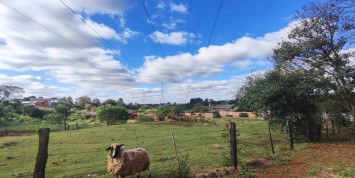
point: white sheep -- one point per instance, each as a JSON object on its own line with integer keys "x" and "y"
{"x": 122, "y": 162}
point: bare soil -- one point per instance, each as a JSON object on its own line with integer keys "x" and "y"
{"x": 317, "y": 159}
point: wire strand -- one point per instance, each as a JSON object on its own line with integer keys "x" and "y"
{"x": 107, "y": 41}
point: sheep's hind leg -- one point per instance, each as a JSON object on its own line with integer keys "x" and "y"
{"x": 138, "y": 174}
{"x": 149, "y": 175}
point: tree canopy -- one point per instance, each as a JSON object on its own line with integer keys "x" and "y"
{"x": 7, "y": 91}
{"x": 282, "y": 96}
{"x": 322, "y": 42}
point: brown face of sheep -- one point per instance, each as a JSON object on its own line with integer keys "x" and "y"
{"x": 114, "y": 150}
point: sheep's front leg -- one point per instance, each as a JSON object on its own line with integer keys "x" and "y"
{"x": 138, "y": 174}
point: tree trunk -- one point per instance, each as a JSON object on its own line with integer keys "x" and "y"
{"x": 333, "y": 127}
{"x": 326, "y": 127}
{"x": 353, "y": 114}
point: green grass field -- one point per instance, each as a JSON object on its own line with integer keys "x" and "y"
{"x": 81, "y": 153}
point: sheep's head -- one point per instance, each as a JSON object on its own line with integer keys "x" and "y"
{"x": 115, "y": 149}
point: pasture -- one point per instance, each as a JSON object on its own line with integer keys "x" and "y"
{"x": 200, "y": 146}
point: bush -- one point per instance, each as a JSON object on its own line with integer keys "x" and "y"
{"x": 32, "y": 112}
{"x": 143, "y": 118}
{"x": 89, "y": 115}
{"x": 112, "y": 114}
{"x": 77, "y": 115}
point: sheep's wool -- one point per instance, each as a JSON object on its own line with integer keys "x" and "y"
{"x": 129, "y": 162}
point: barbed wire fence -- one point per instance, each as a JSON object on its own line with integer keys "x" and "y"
{"x": 198, "y": 150}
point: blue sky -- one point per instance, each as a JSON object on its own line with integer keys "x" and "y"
{"x": 51, "y": 52}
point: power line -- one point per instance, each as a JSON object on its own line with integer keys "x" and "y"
{"x": 156, "y": 37}
{"x": 209, "y": 40}
{"x": 56, "y": 34}
{"x": 108, "y": 42}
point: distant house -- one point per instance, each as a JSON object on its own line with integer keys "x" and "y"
{"x": 213, "y": 114}
{"x": 26, "y": 103}
{"x": 227, "y": 107}
{"x": 41, "y": 102}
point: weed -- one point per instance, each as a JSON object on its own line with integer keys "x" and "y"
{"x": 184, "y": 167}
{"x": 247, "y": 171}
{"x": 314, "y": 170}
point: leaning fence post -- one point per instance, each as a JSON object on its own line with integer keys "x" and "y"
{"x": 233, "y": 144}
{"x": 176, "y": 155}
{"x": 42, "y": 153}
{"x": 270, "y": 138}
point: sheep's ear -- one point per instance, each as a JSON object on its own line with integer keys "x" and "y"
{"x": 118, "y": 146}
{"x": 109, "y": 148}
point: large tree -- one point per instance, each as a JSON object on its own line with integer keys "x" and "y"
{"x": 322, "y": 43}
{"x": 284, "y": 97}
{"x": 7, "y": 91}
{"x": 82, "y": 101}
{"x": 63, "y": 111}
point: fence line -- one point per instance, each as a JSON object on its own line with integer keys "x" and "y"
{"x": 187, "y": 142}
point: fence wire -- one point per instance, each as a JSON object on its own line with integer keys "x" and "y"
{"x": 206, "y": 146}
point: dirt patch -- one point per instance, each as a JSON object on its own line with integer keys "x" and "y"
{"x": 8, "y": 144}
{"x": 10, "y": 134}
{"x": 163, "y": 159}
{"x": 261, "y": 162}
{"x": 315, "y": 160}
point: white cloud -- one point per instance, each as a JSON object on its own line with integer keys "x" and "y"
{"x": 113, "y": 7}
{"x": 66, "y": 49}
{"x": 173, "y": 38}
{"x": 161, "y": 5}
{"x": 183, "y": 91}
{"x": 32, "y": 85}
{"x": 172, "y": 23}
{"x": 178, "y": 8}
{"x": 240, "y": 53}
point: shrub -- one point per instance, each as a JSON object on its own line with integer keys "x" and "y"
{"x": 89, "y": 115}
{"x": 77, "y": 115}
{"x": 112, "y": 114}
{"x": 143, "y": 118}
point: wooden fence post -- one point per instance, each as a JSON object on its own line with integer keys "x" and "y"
{"x": 42, "y": 153}
{"x": 6, "y": 133}
{"x": 68, "y": 127}
{"x": 290, "y": 134}
{"x": 176, "y": 155}
{"x": 108, "y": 122}
{"x": 65, "y": 123}
{"x": 76, "y": 126}
{"x": 270, "y": 138}
{"x": 233, "y": 144}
